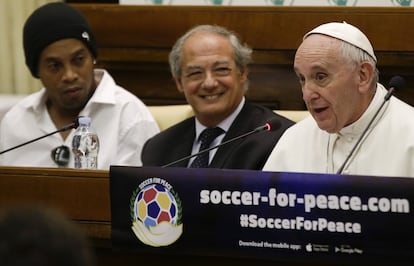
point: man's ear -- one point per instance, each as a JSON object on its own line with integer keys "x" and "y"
{"x": 366, "y": 74}
{"x": 178, "y": 83}
{"x": 243, "y": 74}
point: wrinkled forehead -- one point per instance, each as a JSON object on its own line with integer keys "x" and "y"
{"x": 320, "y": 53}
{"x": 207, "y": 45}
{"x": 319, "y": 45}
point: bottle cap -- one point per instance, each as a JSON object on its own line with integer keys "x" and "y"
{"x": 84, "y": 121}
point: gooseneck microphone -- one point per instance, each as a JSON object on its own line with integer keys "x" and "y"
{"x": 74, "y": 124}
{"x": 395, "y": 83}
{"x": 271, "y": 125}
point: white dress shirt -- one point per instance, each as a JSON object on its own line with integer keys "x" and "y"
{"x": 123, "y": 124}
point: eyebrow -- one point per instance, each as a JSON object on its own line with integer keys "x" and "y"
{"x": 214, "y": 64}
{"x": 313, "y": 68}
{"x": 190, "y": 67}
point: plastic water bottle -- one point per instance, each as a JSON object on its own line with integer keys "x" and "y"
{"x": 85, "y": 145}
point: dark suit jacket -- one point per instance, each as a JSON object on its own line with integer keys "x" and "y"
{"x": 250, "y": 152}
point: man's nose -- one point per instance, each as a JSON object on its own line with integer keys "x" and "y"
{"x": 209, "y": 80}
{"x": 69, "y": 73}
{"x": 309, "y": 91}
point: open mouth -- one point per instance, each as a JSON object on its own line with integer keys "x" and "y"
{"x": 320, "y": 110}
{"x": 212, "y": 97}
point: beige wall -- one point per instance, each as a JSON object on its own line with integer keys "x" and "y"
{"x": 15, "y": 78}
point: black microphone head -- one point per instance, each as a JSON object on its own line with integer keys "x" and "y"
{"x": 75, "y": 124}
{"x": 396, "y": 82}
{"x": 273, "y": 124}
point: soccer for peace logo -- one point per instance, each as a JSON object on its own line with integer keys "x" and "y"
{"x": 156, "y": 213}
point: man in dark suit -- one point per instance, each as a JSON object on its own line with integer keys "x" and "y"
{"x": 209, "y": 65}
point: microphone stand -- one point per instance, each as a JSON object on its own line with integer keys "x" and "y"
{"x": 386, "y": 98}
{"x": 261, "y": 128}
{"x": 64, "y": 128}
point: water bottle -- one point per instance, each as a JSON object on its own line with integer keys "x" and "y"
{"x": 85, "y": 145}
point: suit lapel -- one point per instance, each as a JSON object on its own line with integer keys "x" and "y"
{"x": 185, "y": 139}
{"x": 239, "y": 126}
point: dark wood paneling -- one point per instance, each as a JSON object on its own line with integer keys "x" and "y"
{"x": 83, "y": 195}
{"x": 134, "y": 42}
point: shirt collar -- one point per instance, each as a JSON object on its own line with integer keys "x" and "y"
{"x": 225, "y": 124}
{"x": 359, "y": 126}
{"x": 102, "y": 93}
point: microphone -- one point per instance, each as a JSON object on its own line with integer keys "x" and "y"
{"x": 74, "y": 124}
{"x": 396, "y": 82}
{"x": 271, "y": 125}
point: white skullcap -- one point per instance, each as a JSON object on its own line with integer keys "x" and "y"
{"x": 345, "y": 32}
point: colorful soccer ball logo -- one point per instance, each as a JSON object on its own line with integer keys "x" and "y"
{"x": 154, "y": 204}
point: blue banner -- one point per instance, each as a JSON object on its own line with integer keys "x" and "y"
{"x": 263, "y": 215}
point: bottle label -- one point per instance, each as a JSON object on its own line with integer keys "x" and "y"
{"x": 85, "y": 150}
